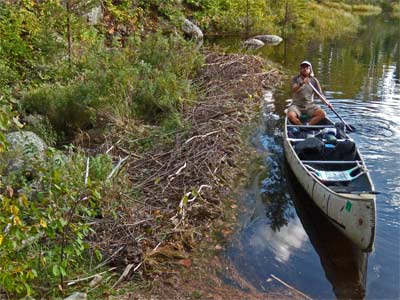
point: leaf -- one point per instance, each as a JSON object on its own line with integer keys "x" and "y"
{"x": 1, "y": 239}
{"x": 10, "y": 191}
{"x": 17, "y": 221}
{"x": 14, "y": 209}
{"x": 62, "y": 271}
{"x": 186, "y": 262}
{"x": 43, "y": 223}
{"x": 55, "y": 270}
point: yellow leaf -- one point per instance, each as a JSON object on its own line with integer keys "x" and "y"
{"x": 23, "y": 200}
{"x": 14, "y": 210}
{"x": 43, "y": 223}
{"x": 17, "y": 221}
{"x": 1, "y": 239}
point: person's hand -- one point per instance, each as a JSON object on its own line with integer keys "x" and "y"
{"x": 306, "y": 80}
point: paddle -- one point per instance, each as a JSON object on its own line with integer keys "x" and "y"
{"x": 349, "y": 127}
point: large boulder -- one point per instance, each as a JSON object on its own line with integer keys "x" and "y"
{"x": 269, "y": 39}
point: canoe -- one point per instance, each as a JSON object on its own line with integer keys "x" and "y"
{"x": 330, "y": 168}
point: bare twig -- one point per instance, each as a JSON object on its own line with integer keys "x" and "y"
{"x": 75, "y": 281}
{"x": 290, "y": 287}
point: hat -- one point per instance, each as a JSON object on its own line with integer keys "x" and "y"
{"x": 306, "y": 62}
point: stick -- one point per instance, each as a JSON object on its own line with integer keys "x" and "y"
{"x": 109, "y": 259}
{"x": 129, "y": 268}
{"x": 117, "y": 167}
{"x": 290, "y": 287}
{"x": 202, "y": 136}
{"x": 87, "y": 171}
{"x": 75, "y": 281}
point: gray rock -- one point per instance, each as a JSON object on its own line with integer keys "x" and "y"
{"x": 253, "y": 43}
{"x": 25, "y": 147}
{"x": 77, "y": 296}
{"x": 95, "y": 15}
{"x": 192, "y": 30}
{"x": 26, "y": 142}
{"x": 269, "y": 39}
{"x": 34, "y": 119}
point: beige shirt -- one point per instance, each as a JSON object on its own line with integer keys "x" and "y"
{"x": 305, "y": 94}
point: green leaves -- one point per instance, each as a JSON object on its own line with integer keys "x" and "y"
{"x": 47, "y": 235}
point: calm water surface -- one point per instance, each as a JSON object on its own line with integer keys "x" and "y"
{"x": 281, "y": 233}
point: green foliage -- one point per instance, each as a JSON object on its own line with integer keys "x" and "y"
{"x": 148, "y": 79}
{"x": 232, "y": 16}
{"x": 44, "y": 130}
{"x": 44, "y": 220}
{"x": 331, "y": 23}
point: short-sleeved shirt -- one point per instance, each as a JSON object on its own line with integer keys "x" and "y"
{"x": 305, "y": 95}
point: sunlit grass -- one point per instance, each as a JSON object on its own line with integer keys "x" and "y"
{"x": 396, "y": 10}
{"x": 367, "y": 8}
{"x": 333, "y": 22}
{"x": 356, "y": 8}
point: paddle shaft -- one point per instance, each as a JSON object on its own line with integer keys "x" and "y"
{"x": 330, "y": 106}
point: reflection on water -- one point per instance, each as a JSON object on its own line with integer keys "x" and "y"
{"x": 281, "y": 233}
{"x": 344, "y": 264}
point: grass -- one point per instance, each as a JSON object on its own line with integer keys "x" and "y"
{"x": 333, "y": 22}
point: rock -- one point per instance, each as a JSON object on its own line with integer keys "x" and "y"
{"x": 95, "y": 15}
{"x": 77, "y": 296}
{"x": 25, "y": 147}
{"x": 254, "y": 43}
{"x": 28, "y": 143}
{"x": 269, "y": 39}
{"x": 193, "y": 31}
{"x": 33, "y": 120}
{"x": 95, "y": 281}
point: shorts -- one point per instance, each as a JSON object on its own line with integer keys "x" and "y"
{"x": 308, "y": 110}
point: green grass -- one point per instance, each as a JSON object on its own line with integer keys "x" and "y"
{"x": 333, "y": 22}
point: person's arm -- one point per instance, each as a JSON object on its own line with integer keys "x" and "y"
{"x": 298, "y": 84}
{"x": 318, "y": 87}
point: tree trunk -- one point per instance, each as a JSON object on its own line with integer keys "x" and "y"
{"x": 69, "y": 33}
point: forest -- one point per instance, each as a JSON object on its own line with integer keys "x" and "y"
{"x": 112, "y": 89}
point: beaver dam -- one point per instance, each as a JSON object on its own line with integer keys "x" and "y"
{"x": 183, "y": 190}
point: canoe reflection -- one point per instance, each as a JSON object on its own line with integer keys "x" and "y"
{"x": 344, "y": 264}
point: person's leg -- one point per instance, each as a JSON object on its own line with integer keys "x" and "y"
{"x": 317, "y": 116}
{"x": 293, "y": 114}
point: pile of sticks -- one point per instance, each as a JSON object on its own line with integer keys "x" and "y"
{"x": 178, "y": 188}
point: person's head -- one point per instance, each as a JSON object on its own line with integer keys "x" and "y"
{"x": 306, "y": 68}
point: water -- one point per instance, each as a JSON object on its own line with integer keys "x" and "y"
{"x": 281, "y": 232}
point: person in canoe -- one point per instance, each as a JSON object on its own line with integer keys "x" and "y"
{"x": 303, "y": 97}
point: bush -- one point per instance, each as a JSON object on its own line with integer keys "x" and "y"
{"x": 44, "y": 221}
{"x": 147, "y": 80}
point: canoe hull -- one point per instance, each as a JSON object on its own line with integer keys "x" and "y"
{"x": 353, "y": 214}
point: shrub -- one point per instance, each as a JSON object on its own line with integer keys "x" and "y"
{"x": 147, "y": 80}
{"x": 44, "y": 221}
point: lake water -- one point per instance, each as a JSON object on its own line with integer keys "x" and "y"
{"x": 281, "y": 233}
